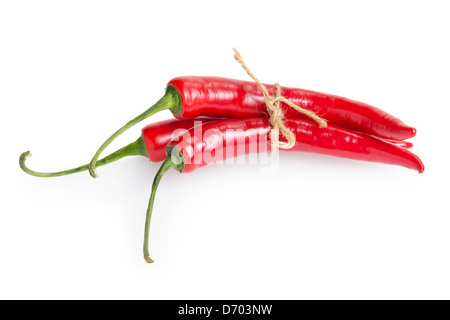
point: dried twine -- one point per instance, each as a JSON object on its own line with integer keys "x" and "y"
{"x": 276, "y": 113}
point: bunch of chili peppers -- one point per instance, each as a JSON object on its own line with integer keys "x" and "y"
{"x": 234, "y": 110}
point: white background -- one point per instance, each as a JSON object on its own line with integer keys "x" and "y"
{"x": 72, "y": 72}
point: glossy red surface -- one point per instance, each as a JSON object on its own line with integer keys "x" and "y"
{"x": 251, "y": 135}
{"x": 230, "y": 98}
{"x": 400, "y": 143}
{"x": 157, "y": 135}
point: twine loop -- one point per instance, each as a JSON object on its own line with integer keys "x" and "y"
{"x": 276, "y": 114}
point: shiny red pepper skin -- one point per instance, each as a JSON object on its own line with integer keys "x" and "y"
{"x": 230, "y": 98}
{"x": 400, "y": 143}
{"x": 158, "y": 134}
{"x": 334, "y": 141}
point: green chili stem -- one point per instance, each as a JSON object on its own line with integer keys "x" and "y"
{"x": 133, "y": 149}
{"x": 171, "y": 100}
{"x": 167, "y": 164}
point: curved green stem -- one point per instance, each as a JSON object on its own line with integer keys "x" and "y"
{"x": 166, "y": 165}
{"x": 171, "y": 100}
{"x": 133, "y": 149}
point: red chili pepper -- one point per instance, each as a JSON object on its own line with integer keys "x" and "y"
{"x": 332, "y": 140}
{"x": 229, "y": 98}
{"x": 335, "y": 141}
{"x": 191, "y": 97}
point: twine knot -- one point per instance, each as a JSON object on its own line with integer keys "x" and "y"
{"x": 276, "y": 114}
